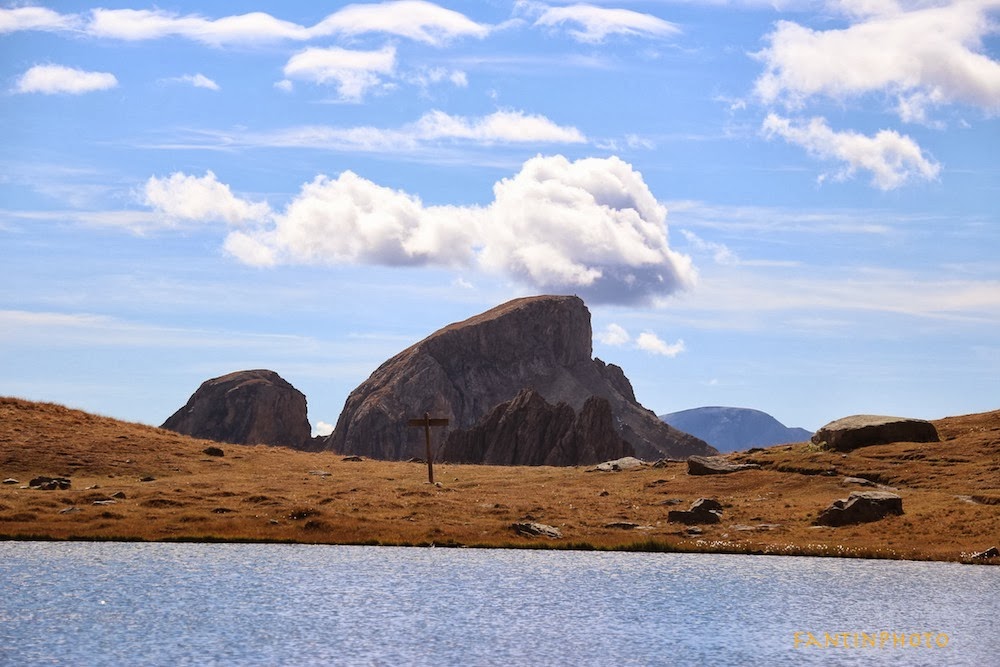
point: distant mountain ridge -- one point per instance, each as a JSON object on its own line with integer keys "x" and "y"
{"x": 734, "y": 429}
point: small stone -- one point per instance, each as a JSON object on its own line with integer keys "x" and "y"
{"x": 120, "y": 495}
{"x": 11, "y": 480}
{"x": 320, "y": 473}
{"x": 617, "y": 465}
{"x": 105, "y": 502}
{"x": 352, "y": 458}
{"x": 69, "y": 510}
{"x": 622, "y": 525}
{"x": 147, "y": 478}
{"x": 992, "y": 552}
{"x": 858, "y": 480}
{"x": 213, "y": 451}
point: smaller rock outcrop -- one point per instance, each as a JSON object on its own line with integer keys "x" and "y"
{"x": 45, "y": 483}
{"x": 844, "y": 435}
{"x": 618, "y": 465}
{"x": 533, "y": 529}
{"x": 992, "y": 552}
{"x": 861, "y": 507}
{"x": 255, "y": 407}
{"x": 527, "y": 430}
{"x": 703, "y": 510}
{"x": 713, "y": 465}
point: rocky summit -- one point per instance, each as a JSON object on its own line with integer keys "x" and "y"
{"x": 467, "y": 369}
{"x": 255, "y": 407}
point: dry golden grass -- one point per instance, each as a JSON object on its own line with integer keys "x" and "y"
{"x": 950, "y": 490}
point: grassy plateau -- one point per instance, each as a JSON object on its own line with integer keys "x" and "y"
{"x": 135, "y": 482}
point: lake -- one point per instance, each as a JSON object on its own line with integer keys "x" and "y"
{"x": 75, "y": 603}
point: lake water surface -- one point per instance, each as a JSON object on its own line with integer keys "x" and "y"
{"x": 198, "y": 604}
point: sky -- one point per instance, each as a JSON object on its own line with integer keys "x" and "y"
{"x": 789, "y": 206}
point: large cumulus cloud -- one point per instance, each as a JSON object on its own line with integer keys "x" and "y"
{"x": 590, "y": 227}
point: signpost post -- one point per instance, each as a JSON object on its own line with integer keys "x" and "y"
{"x": 427, "y": 422}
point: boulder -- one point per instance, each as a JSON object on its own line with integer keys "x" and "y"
{"x": 849, "y": 433}
{"x": 703, "y": 510}
{"x": 714, "y": 465}
{"x": 255, "y": 407}
{"x": 50, "y": 483}
{"x": 618, "y": 465}
{"x": 992, "y": 552}
{"x": 861, "y": 507}
{"x": 464, "y": 371}
{"x": 532, "y": 529}
{"x": 527, "y": 430}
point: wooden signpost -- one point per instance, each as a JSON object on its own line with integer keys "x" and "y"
{"x": 427, "y": 422}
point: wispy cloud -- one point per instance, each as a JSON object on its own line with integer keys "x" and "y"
{"x": 197, "y": 80}
{"x": 595, "y": 24}
{"x": 892, "y": 159}
{"x": 616, "y": 335}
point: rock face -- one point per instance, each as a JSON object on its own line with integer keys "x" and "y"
{"x": 734, "y": 429}
{"x": 247, "y": 407}
{"x": 527, "y": 430}
{"x": 467, "y": 369}
{"x": 861, "y": 507}
{"x": 861, "y": 430}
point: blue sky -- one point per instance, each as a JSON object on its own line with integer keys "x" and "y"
{"x": 789, "y": 206}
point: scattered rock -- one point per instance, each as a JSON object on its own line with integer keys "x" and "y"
{"x": 992, "y": 552}
{"x": 713, "y": 465}
{"x": 670, "y": 501}
{"x": 857, "y": 480}
{"x": 533, "y": 529}
{"x": 213, "y": 451}
{"x": 622, "y": 525}
{"x": 603, "y": 494}
{"x": 849, "y": 433}
{"x": 11, "y": 480}
{"x": 320, "y": 473}
{"x": 147, "y": 478}
{"x": 105, "y": 502}
{"x": 761, "y": 527}
{"x": 255, "y": 407}
{"x": 861, "y": 507}
{"x": 465, "y": 370}
{"x": 222, "y": 510}
{"x": 703, "y": 510}
{"x": 352, "y": 458}
{"x": 69, "y": 510}
{"x": 617, "y": 465}
{"x": 44, "y": 483}
{"x": 120, "y": 495}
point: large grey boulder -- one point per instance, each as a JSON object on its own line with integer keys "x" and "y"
{"x": 861, "y": 507}
{"x": 465, "y": 370}
{"x": 256, "y": 407}
{"x": 849, "y": 433}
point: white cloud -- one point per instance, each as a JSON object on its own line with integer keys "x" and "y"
{"x": 596, "y": 23}
{"x": 189, "y": 198}
{"x": 721, "y": 253}
{"x": 892, "y": 159}
{"x": 284, "y": 85}
{"x": 36, "y": 18}
{"x": 323, "y": 429}
{"x": 413, "y": 19}
{"x": 498, "y": 127}
{"x": 196, "y": 80}
{"x": 650, "y": 342}
{"x": 925, "y": 56}
{"x": 54, "y": 79}
{"x": 353, "y": 72}
{"x": 615, "y": 335}
{"x": 590, "y": 227}
{"x": 143, "y": 24}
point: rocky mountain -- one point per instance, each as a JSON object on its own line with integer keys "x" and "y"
{"x": 734, "y": 429}
{"x": 528, "y": 430}
{"x": 255, "y": 407}
{"x": 467, "y": 369}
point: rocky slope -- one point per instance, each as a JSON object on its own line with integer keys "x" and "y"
{"x": 465, "y": 370}
{"x": 734, "y": 429}
{"x": 254, "y": 407}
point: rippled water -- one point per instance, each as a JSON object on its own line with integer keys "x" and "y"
{"x": 193, "y": 604}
